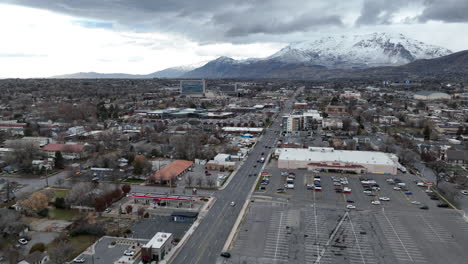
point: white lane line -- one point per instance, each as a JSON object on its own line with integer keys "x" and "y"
{"x": 278, "y": 236}
{"x": 316, "y": 228}
{"x": 396, "y": 234}
{"x": 357, "y": 240}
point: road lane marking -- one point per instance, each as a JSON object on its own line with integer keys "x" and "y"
{"x": 398, "y": 237}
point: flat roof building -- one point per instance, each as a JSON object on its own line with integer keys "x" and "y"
{"x": 329, "y": 159}
{"x": 157, "y": 248}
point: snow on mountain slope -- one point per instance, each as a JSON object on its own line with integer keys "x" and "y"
{"x": 370, "y": 50}
{"x": 175, "y": 72}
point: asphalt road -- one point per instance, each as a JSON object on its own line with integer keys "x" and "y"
{"x": 206, "y": 243}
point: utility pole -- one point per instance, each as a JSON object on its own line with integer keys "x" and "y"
{"x": 46, "y": 178}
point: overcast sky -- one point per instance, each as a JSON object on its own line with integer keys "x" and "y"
{"x": 41, "y": 38}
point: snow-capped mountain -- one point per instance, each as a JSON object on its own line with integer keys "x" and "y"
{"x": 175, "y": 72}
{"x": 363, "y": 51}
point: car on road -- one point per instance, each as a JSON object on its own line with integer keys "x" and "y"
{"x": 108, "y": 210}
{"x": 233, "y": 203}
{"x": 408, "y": 193}
{"x": 375, "y": 202}
{"x": 23, "y": 241}
{"x": 383, "y": 198}
{"x": 225, "y": 254}
{"x": 349, "y": 201}
{"x": 129, "y": 252}
{"x": 424, "y": 207}
{"x": 79, "y": 260}
{"x": 416, "y": 202}
{"x": 464, "y": 192}
{"x": 350, "y": 206}
{"x": 396, "y": 188}
{"x": 443, "y": 205}
{"x": 280, "y": 190}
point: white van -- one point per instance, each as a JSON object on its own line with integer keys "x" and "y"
{"x": 289, "y": 186}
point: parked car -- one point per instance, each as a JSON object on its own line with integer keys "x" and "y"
{"x": 233, "y": 203}
{"x": 443, "y": 205}
{"x": 424, "y": 207}
{"x": 280, "y": 190}
{"x": 383, "y": 198}
{"x": 349, "y": 201}
{"x": 350, "y": 206}
{"x": 225, "y": 254}
{"x": 23, "y": 241}
{"x": 375, "y": 202}
{"x": 464, "y": 192}
{"x": 129, "y": 252}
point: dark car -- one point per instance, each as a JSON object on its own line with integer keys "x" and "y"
{"x": 349, "y": 201}
{"x": 225, "y": 254}
{"x": 433, "y": 197}
{"x": 280, "y": 190}
{"x": 424, "y": 207}
{"x": 443, "y": 205}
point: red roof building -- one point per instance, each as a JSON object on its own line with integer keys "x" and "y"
{"x": 172, "y": 170}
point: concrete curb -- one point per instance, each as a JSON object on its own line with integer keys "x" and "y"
{"x": 233, "y": 174}
{"x": 242, "y": 214}
{"x": 176, "y": 250}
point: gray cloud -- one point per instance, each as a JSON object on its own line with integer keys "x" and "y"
{"x": 204, "y": 21}
{"x": 246, "y": 21}
{"x": 451, "y": 11}
{"x": 379, "y": 11}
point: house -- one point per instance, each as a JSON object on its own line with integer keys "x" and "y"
{"x": 332, "y": 123}
{"x": 69, "y": 151}
{"x": 36, "y": 257}
{"x": 453, "y": 156}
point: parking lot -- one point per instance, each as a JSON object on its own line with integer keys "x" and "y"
{"x": 301, "y": 225}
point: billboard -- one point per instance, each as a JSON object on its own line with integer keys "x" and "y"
{"x": 192, "y": 87}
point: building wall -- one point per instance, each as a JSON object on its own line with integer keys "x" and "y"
{"x": 303, "y": 164}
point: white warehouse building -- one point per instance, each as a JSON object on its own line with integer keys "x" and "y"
{"x": 329, "y": 159}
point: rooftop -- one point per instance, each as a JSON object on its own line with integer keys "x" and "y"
{"x": 314, "y": 154}
{"x": 158, "y": 240}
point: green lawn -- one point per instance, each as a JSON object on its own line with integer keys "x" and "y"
{"x": 62, "y": 193}
{"x": 133, "y": 181}
{"x": 63, "y": 214}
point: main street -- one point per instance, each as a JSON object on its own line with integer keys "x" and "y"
{"x": 205, "y": 245}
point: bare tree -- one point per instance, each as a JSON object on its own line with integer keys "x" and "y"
{"x": 210, "y": 182}
{"x": 60, "y": 253}
{"x": 199, "y": 181}
{"x": 189, "y": 180}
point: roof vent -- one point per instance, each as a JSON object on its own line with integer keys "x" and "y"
{"x": 160, "y": 240}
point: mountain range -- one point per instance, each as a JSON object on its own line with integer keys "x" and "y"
{"x": 347, "y": 56}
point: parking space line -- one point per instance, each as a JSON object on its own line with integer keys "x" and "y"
{"x": 396, "y": 234}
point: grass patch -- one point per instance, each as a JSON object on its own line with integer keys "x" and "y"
{"x": 60, "y": 193}
{"x": 133, "y": 181}
{"x": 63, "y": 214}
{"x": 78, "y": 243}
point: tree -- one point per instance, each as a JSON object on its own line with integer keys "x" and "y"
{"x": 126, "y": 188}
{"x": 140, "y": 165}
{"x": 23, "y": 154}
{"x": 129, "y": 209}
{"x": 35, "y": 203}
{"x": 141, "y": 212}
{"x": 189, "y": 179}
{"x": 199, "y": 181}
{"x": 210, "y": 182}
{"x": 100, "y": 204}
{"x": 60, "y": 253}
{"x": 427, "y": 132}
{"x": 60, "y": 203}
{"x": 438, "y": 167}
{"x": 59, "y": 161}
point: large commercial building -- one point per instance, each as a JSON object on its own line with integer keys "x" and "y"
{"x": 303, "y": 122}
{"x": 429, "y": 95}
{"x": 332, "y": 160}
{"x": 193, "y": 87}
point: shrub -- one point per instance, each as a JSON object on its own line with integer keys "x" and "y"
{"x": 44, "y": 212}
{"x": 37, "y": 247}
{"x": 60, "y": 203}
